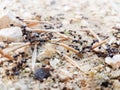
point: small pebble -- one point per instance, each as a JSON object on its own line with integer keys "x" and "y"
{"x": 27, "y": 70}
{"x": 41, "y": 73}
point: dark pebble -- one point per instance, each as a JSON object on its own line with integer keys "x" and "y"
{"x": 105, "y": 84}
{"x": 48, "y": 27}
{"x": 16, "y": 72}
{"x": 14, "y": 68}
{"x": 11, "y": 25}
{"x": 24, "y": 61}
{"x": 41, "y": 73}
{"x": 7, "y": 72}
{"x": 23, "y": 27}
{"x": 15, "y": 56}
{"x": 76, "y": 41}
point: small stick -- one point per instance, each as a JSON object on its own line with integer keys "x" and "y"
{"x": 72, "y": 62}
{"x": 98, "y": 44}
{"x": 41, "y": 30}
{"x": 116, "y": 28}
{"x": 71, "y": 49}
{"x": 36, "y": 21}
{"x": 16, "y": 47}
{"x": 31, "y": 21}
{"x": 96, "y": 36}
{"x": 58, "y": 40}
{"x": 62, "y": 35}
{"x": 32, "y": 24}
{"x": 34, "y": 56}
{"x": 6, "y": 55}
{"x": 93, "y": 33}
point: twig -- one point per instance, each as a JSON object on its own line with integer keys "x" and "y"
{"x": 6, "y": 55}
{"x": 58, "y": 40}
{"x": 41, "y": 30}
{"x": 34, "y": 56}
{"x": 72, "y": 62}
{"x": 98, "y": 44}
{"x": 96, "y": 36}
{"x": 53, "y": 31}
{"x": 71, "y": 49}
{"x": 36, "y": 21}
{"x": 93, "y": 33}
{"x": 31, "y": 21}
{"x": 15, "y": 47}
{"x": 116, "y": 28}
{"x": 32, "y": 24}
{"x": 62, "y": 35}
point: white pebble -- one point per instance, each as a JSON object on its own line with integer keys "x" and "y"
{"x": 27, "y": 70}
{"x": 12, "y": 34}
{"x": 114, "y": 61}
{"x": 54, "y": 62}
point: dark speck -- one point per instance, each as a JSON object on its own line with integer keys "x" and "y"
{"x": 4, "y": 8}
{"x": 105, "y": 84}
{"x": 19, "y": 18}
{"x": 23, "y": 61}
{"x": 11, "y": 25}
{"x": 16, "y": 73}
{"x": 76, "y": 41}
{"x": 48, "y": 27}
{"x": 110, "y": 55}
{"x": 15, "y": 56}
{"x": 14, "y": 68}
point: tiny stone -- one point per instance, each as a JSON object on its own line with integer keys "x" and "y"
{"x": 41, "y": 73}
{"x": 27, "y": 70}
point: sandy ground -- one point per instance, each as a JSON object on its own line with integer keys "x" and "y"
{"x": 75, "y": 15}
